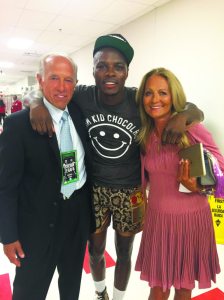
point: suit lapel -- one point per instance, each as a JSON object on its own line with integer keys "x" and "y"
{"x": 54, "y": 147}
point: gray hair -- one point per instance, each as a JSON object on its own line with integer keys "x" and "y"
{"x": 56, "y": 54}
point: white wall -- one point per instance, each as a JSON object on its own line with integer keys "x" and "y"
{"x": 186, "y": 36}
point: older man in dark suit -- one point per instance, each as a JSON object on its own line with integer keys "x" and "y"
{"x": 45, "y": 205}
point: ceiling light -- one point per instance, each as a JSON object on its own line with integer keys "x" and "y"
{"x": 33, "y": 54}
{"x": 17, "y": 43}
{"x": 6, "y": 64}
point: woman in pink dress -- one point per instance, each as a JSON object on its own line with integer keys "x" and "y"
{"x": 178, "y": 245}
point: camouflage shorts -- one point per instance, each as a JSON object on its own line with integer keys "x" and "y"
{"x": 125, "y": 206}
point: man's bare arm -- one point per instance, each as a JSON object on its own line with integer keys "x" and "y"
{"x": 40, "y": 117}
{"x": 179, "y": 123}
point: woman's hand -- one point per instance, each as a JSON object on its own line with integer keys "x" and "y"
{"x": 184, "y": 178}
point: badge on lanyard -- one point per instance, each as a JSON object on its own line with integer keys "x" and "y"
{"x": 69, "y": 166}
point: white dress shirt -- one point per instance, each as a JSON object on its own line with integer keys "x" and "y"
{"x": 56, "y": 115}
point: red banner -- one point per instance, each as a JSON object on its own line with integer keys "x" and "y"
{"x": 215, "y": 294}
{"x": 5, "y": 287}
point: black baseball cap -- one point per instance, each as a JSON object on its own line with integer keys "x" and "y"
{"x": 116, "y": 41}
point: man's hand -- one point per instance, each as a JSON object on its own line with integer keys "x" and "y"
{"x": 14, "y": 252}
{"x": 177, "y": 125}
{"x": 184, "y": 178}
{"x": 175, "y": 128}
{"x": 40, "y": 119}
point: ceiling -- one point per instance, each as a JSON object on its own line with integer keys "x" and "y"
{"x": 58, "y": 25}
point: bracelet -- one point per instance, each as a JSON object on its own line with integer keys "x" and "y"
{"x": 207, "y": 190}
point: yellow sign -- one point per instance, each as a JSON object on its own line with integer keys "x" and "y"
{"x": 217, "y": 209}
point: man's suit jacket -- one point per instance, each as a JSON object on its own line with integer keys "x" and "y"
{"x": 30, "y": 179}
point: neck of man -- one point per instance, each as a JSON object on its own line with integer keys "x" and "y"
{"x": 113, "y": 99}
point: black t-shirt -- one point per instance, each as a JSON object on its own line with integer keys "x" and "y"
{"x": 112, "y": 130}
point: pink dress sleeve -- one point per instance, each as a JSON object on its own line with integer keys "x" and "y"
{"x": 200, "y": 134}
{"x": 144, "y": 175}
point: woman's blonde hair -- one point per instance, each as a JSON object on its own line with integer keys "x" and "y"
{"x": 178, "y": 104}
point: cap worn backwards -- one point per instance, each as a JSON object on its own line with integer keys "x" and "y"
{"x": 116, "y": 41}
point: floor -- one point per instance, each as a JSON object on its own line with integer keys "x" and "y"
{"x": 137, "y": 289}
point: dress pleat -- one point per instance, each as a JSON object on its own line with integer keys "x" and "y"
{"x": 178, "y": 256}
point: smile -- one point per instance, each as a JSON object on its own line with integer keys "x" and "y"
{"x": 110, "y": 149}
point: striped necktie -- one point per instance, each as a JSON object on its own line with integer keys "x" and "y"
{"x": 66, "y": 145}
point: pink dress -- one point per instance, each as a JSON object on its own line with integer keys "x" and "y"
{"x": 178, "y": 244}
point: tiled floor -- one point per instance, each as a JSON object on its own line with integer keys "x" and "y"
{"x": 137, "y": 289}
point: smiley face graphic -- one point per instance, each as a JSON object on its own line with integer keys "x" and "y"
{"x": 109, "y": 140}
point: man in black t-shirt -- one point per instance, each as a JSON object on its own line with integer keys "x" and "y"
{"x": 112, "y": 121}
